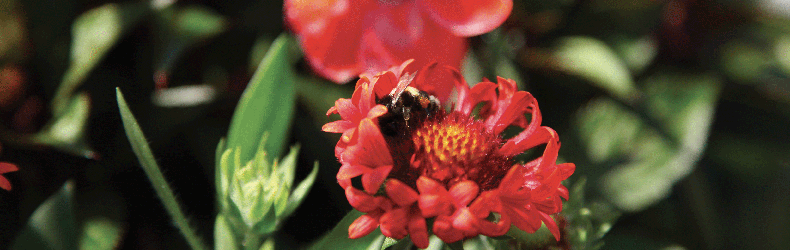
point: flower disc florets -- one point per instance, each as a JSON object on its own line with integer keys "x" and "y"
{"x": 416, "y": 159}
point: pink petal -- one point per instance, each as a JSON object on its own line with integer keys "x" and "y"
{"x": 468, "y": 17}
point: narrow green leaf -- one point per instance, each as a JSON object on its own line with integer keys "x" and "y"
{"x": 300, "y": 192}
{"x": 52, "y": 225}
{"x": 338, "y": 237}
{"x": 151, "y": 168}
{"x": 93, "y": 34}
{"x": 224, "y": 238}
{"x": 100, "y": 233}
{"x": 266, "y": 105}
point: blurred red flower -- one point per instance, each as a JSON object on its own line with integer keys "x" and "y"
{"x": 5, "y": 168}
{"x": 407, "y": 158}
{"x": 342, "y": 38}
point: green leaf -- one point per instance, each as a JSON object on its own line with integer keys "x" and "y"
{"x": 300, "y": 192}
{"x": 52, "y": 225}
{"x": 480, "y": 243}
{"x": 151, "y": 168}
{"x": 100, "y": 233}
{"x": 338, "y": 237}
{"x": 66, "y": 132}
{"x": 287, "y": 166}
{"x": 93, "y": 34}
{"x": 266, "y": 105}
{"x": 593, "y": 60}
{"x": 659, "y": 143}
{"x": 224, "y": 238}
{"x": 183, "y": 27}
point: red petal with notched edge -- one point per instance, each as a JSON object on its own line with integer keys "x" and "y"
{"x": 400, "y": 193}
{"x": 363, "y": 225}
{"x": 468, "y": 17}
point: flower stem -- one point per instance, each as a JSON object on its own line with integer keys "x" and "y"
{"x": 151, "y": 168}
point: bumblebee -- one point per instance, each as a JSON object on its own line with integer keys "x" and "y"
{"x": 407, "y": 108}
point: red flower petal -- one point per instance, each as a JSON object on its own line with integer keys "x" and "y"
{"x": 351, "y": 171}
{"x": 329, "y": 33}
{"x": 393, "y": 223}
{"x": 401, "y": 33}
{"x": 526, "y": 140}
{"x": 443, "y": 228}
{"x": 339, "y": 126}
{"x": 6, "y": 167}
{"x": 371, "y": 149}
{"x": 468, "y": 17}
{"x": 418, "y": 231}
{"x": 400, "y": 193}
{"x": 372, "y": 180}
{"x": 360, "y": 200}
{"x": 363, "y": 225}
{"x": 551, "y": 225}
{"x": 464, "y": 192}
{"x": 465, "y": 221}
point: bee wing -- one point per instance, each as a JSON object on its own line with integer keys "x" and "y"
{"x": 404, "y": 82}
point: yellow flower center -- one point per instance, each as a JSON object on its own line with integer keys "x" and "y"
{"x": 452, "y": 148}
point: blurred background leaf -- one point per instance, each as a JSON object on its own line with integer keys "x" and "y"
{"x": 53, "y": 225}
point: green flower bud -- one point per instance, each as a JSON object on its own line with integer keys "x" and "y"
{"x": 258, "y": 194}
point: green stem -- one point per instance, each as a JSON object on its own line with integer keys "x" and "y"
{"x": 151, "y": 168}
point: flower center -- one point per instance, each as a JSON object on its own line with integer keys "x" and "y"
{"x": 454, "y": 148}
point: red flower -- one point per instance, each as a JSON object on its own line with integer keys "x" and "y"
{"x": 5, "y": 168}
{"x": 406, "y": 158}
{"x": 343, "y": 38}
